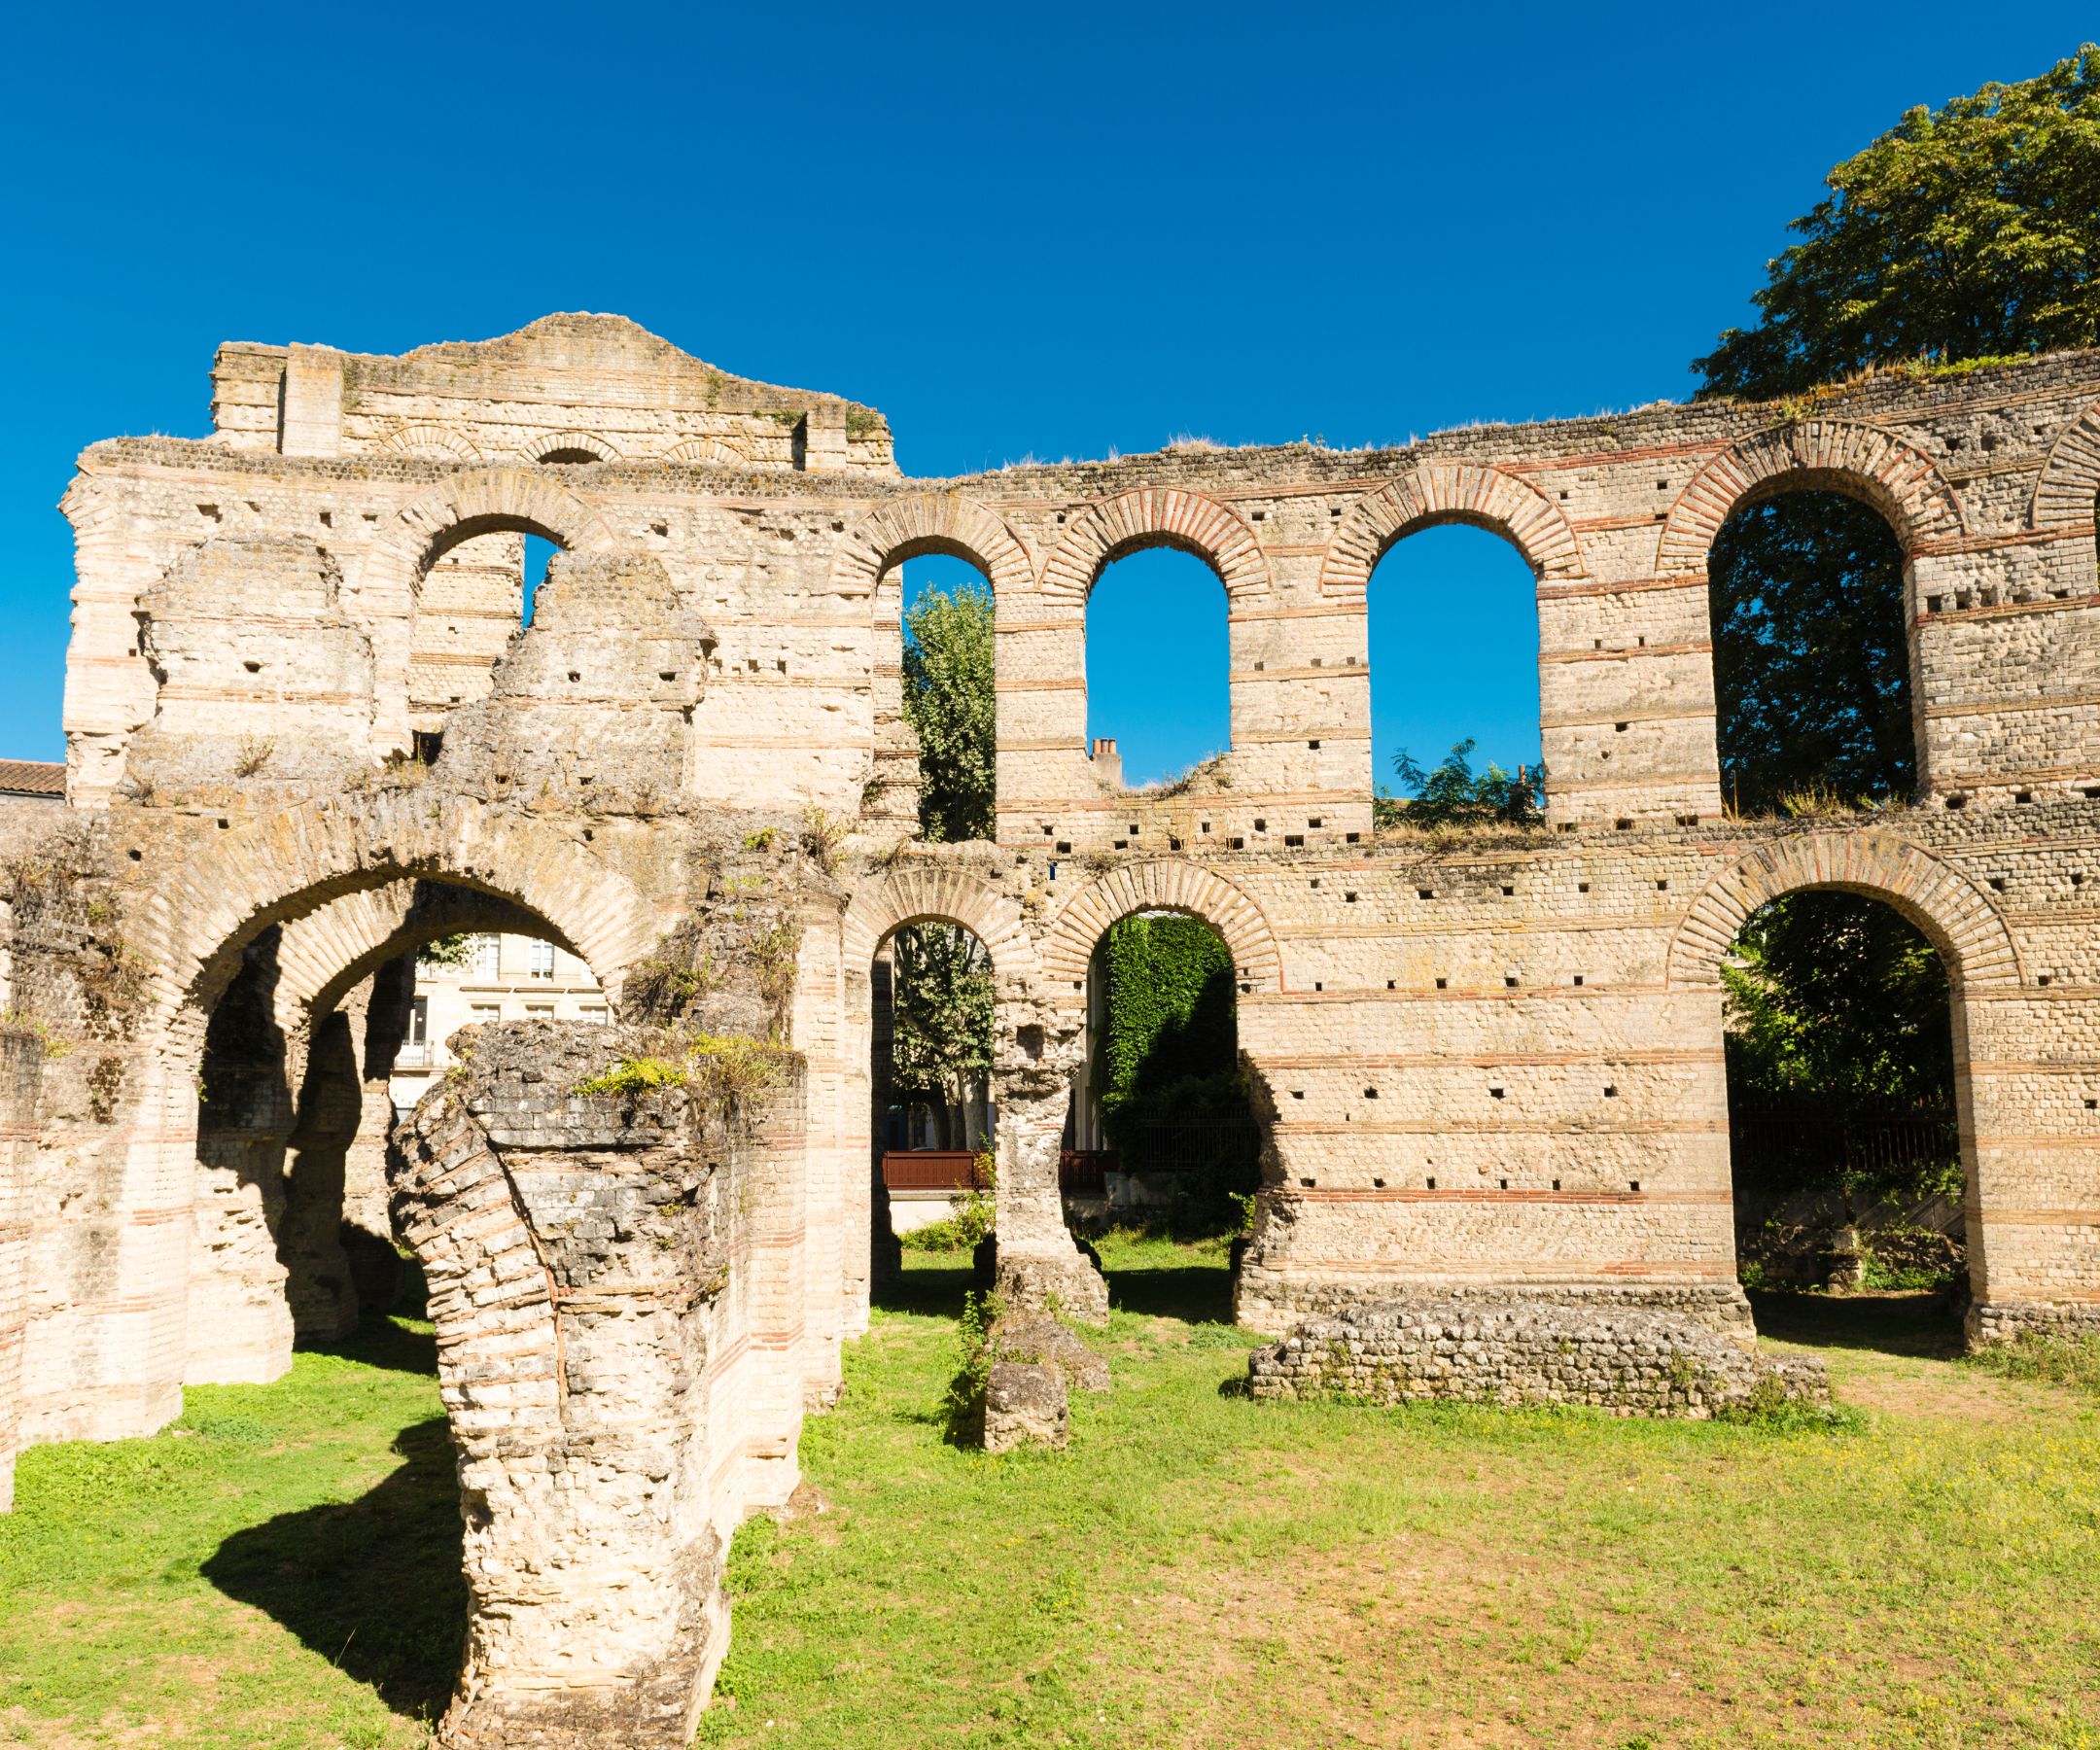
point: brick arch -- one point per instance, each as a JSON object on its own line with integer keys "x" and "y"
{"x": 932, "y": 894}
{"x": 325, "y": 955}
{"x": 1156, "y": 516}
{"x": 477, "y": 500}
{"x": 929, "y": 522}
{"x": 288, "y": 865}
{"x": 731, "y": 449}
{"x": 1448, "y": 492}
{"x": 542, "y": 444}
{"x": 1828, "y": 455}
{"x": 1957, "y": 919}
{"x": 2066, "y": 495}
{"x": 1165, "y": 886}
{"x": 431, "y": 441}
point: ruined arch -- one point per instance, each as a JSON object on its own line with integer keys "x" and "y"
{"x": 929, "y": 522}
{"x": 474, "y": 503}
{"x": 1110, "y": 529}
{"x": 555, "y": 448}
{"x": 1828, "y": 455}
{"x": 323, "y": 955}
{"x": 932, "y": 894}
{"x": 288, "y": 865}
{"x": 1952, "y": 914}
{"x": 1164, "y": 885}
{"x": 1448, "y": 492}
{"x": 729, "y": 449}
{"x": 2069, "y": 487}
{"x": 429, "y": 441}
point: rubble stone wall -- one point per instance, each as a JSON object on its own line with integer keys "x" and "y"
{"x": 1509, "y": 1349}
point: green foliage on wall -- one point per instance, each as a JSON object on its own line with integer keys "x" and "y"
{"x": 1170, "y": 1015}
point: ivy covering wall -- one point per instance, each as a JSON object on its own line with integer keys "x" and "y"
{"x": 1165, "y": 1064}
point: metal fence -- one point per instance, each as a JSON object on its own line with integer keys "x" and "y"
{"x": 1771, "y": 1140}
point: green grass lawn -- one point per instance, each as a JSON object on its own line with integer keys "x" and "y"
{"x": 281, "y": 1570}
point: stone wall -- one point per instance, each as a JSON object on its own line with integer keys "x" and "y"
{"x": 22, "y": 1063}
{"x": 1512, "y": 1349}
{"x": 304, "y": 739}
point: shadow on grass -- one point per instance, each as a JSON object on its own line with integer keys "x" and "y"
{"x": 388, "y": 1343}
{"x": 933, "y": 1289}
{"x": 374, "y": 1585}
{"x": 1200, "y": 1294}
{"x": 1921, "y": 1326}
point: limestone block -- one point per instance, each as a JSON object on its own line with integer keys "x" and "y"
{"x": 1025, "y": 1405}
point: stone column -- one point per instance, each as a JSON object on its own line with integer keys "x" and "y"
{"x": 586, "y": 1257}
{"x": 1037, "y": 1262}
{"x": 22, "y": 1063}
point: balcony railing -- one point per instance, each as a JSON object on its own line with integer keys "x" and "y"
{"x": 930, "y": 1170}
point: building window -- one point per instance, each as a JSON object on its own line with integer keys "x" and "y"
{"x": 487, "y": 956}
{"x": 482, "y": 1012}
{"x": 593, "y": 1012}
{"x": 540, "y": 959}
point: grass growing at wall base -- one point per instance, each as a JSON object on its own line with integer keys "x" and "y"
{"x": 1198, "y": 1570}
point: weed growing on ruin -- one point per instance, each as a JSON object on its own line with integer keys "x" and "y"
{"x": 634, "y": 1075}
{"x": 773, "y": 953}
{"x": 823, "y": 837}
{"x": 962, "y": 1406}
{"x": 254, "y": 754}
{"x": 762, "y": 839}
{"x": 16, "y": 1019}
{"x": 727, "y": 1069}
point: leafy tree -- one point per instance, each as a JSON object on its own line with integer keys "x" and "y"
{"x": 941, "y": 1018}
{"x": 1812, "y": 669}
{"x": 948, "y": 701}
{"x": 448, "y": 954}
{"x": 1967, "y": 232}
{"x": 1454, "y": 794}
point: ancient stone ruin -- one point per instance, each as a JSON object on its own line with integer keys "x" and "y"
{"x": 306, "y": 735}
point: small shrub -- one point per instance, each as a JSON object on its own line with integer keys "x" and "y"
{"x": 823, "y": 836}
{"x": 962, "y": 1408}
{"x": 762, "y": 839}
{"x": 255, "y": 754}
{"x": 634, "y": 1075}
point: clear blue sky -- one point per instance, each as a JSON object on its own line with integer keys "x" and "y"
{"x": 1017, "y": 230}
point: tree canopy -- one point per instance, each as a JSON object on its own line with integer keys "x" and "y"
{"x": 949, "y": 704}
{"x": 1970, "y": 231}
{"x": 941, "y": 1015}
{"x": 1454, "y": 794}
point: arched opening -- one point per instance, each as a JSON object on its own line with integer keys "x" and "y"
{"x": 1846, "y": 1148}
{"x": 298, "y": 1091}
{"x": 1454, "y": 678}
{"x": 945, "y": 676}
{"x": 1159, "y": 700}
{"x": 1161, "y": 1138}
{"x": 933, "y": 1120}
{"x": 1810, "y": 655}
{"x": 476, "y": 591}
{"x": 568, "y": 455}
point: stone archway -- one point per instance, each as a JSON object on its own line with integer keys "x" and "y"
{"x": 193, "y": 933}
{"x": 1156, "y": 516}
{"x": 474, "y": 501}
{"x": 1990, "y": 1035}
{"x": 1164, "y": 885}
{"x": 1831, "y": 455}
{"x": 2069, "y": 487}
{"x": 1448, "y": 492}
{"x": 1957, "y": 920}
